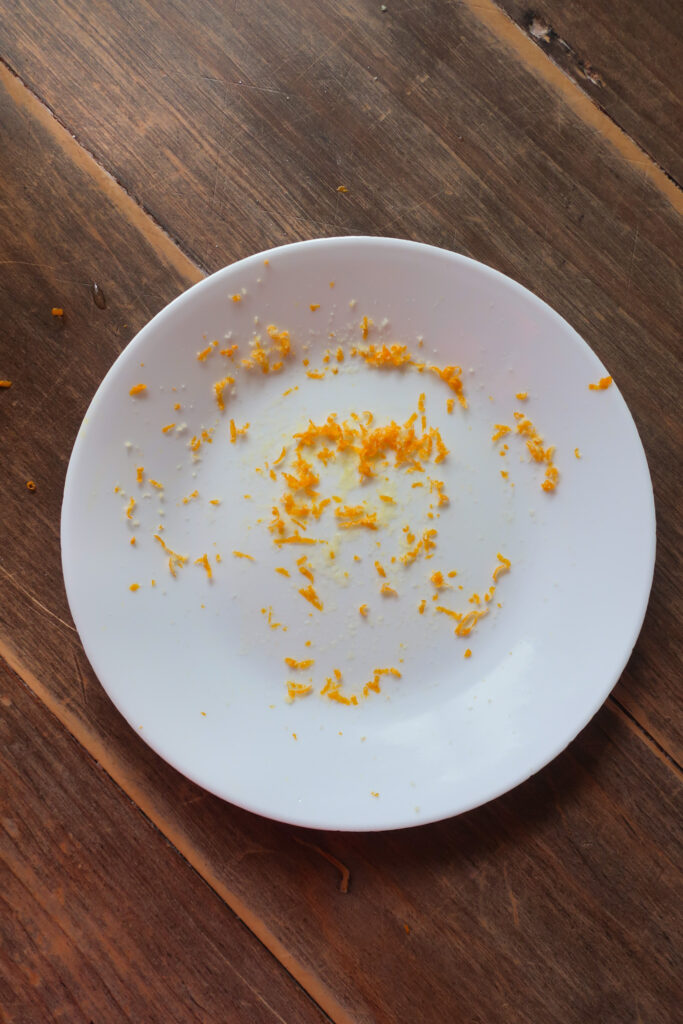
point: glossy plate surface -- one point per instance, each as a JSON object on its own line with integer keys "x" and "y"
{"x": 197, "y": 665}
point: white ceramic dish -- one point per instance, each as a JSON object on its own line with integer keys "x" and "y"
{"x": 193, "y": 664}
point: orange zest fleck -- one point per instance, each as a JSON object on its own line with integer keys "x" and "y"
{"x": 137, "y": 389}
{"x": 502, "y": 568}
{"x": 241, "y": 554}
{"x": 169, "y": 426}
{"x": 388, "y": 591}
{"x": 5, "y": 383}
{"x": 363, "y": 610}
{"x": 281, "y": 569}
{"x": 206, "y": 565}
{"x": 236, "y": 298}
{"x": 602, "y": 384}
{"x": 134, "y": 587}
{"x": 311, "y": 596}
{"x": 219, "y": 390}
{"x": 297, "y": 690}
{"x": 205, "y": 353}
{"x": 293, "y": 663}
{"x": 522, "y": 395}
{"x": 30, "y": 485}
{"x": 314, "y": 306}
{"x": 57, "y": 311}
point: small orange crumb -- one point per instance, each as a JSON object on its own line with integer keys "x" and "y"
{"x": 129, "y": 510}
{"x": 387, "y": 497}
{"x": 313, "y": 306}
{"x": 342, "y": 188}
{"x": 30, "y": 485}
{"x": 137, "y": 389}
{"x": 177, "y": 406}
{"x": 331, "y": 284}
{"x": 468, "y": 652}
{"x": 388, "y": 591}
{"x": 241, "y": 554}
{"x": 5, "y": 383}
{"x": 155, "y": 483}
{"x": 522, "y": 395}
{"x": 373, "y": 794}
{"x": 188, "y": 499}
{"x": 295, "y": 736}
{"x": 422, "y": 605}
{"x": 266, "y": 263}
{"x": 577, "y": 453}
{"x": 365, "y": 326}
{"x": 132, "y": 540}
{"x": 316, "y": 374}
{"x": 363, "y": 610}
{"x": 236, "y": 298}
{"x": 501, "y": 431}
{"x": 134, "y": 587}
{"x": 169, "y": 426}
{"x": 57, "y": 311}
{"x": 450, "y": 402}
{"x": 282, "y": 570}
{"x": 138, "y": 474}
{"x": 504, "y": 474}
{"x": 154, "y": 583}
{"x": 214, "y": 501}
{"x": 380, "y": 569}
{"x": 602, "y": 384}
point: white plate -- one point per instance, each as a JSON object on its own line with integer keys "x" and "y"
{"x": 193, "y": 664}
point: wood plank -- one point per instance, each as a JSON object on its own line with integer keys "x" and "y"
{"x": 619, "y": 53}
{"x": 441, "y": 132}
{"x": 102, "y": 919}
{"x": 557, "y": 902}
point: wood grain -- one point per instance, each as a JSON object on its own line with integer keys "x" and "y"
{"x": 560, "y": 901}
{"x": 619, "y": 54}
{"x": 102, "y": 919}
{"x": 440, "y": 132}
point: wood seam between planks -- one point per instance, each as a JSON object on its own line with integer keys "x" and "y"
{"x": 511, "y": 35}
{"x": 137, "y": 216}
{"x": 648, "y": 739}
{"x": 315, "y": 989}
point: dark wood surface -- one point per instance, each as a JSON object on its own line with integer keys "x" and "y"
{"x": 146, "y": 144}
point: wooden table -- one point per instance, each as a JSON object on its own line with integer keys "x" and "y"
{"x": 146, "y": 143}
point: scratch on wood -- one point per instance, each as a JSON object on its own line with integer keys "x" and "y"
{"x": 513, "y": 900}
{"x": 80, "y": 676}
{"x": 508, "y": 33}
{"x": 341, "y": 868}
{"x": 35, "y": 600}
{"x": 633, "y": 256}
